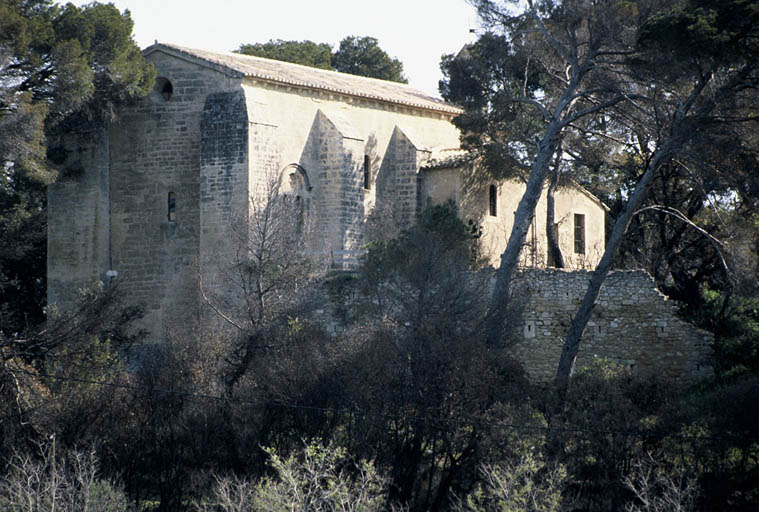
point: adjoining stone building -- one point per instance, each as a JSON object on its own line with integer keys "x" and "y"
{"x": 155, "y": 193}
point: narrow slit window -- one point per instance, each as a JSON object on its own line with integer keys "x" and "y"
{"x": 367, "y": 172}
{"x": 579, "y": 233}
{"x": 172, "y": 207}
{"x": 493, "y": 201}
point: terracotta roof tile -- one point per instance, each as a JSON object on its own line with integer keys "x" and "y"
{"x": 313, "y": 78}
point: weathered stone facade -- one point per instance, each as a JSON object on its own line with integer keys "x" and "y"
{"x": 157, "y": 192}
{"x": 633, "y": 325}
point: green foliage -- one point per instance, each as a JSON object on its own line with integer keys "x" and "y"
{"x": 605, "y": 403}
{"x": 439, "y": 242}
{"x": 306, "y": 53}
{"x": 72, "y": 58}
{"x": 316, "y": 478}
{"x": 484, "y": 78}
{"x": 734, "y": 320}
{"x": 340, "y": 288}
{"x": 363, "y": 56}
{"x": 525, "y": 485}
{"x": 417, "y": 356}
{"x": 423, "y": 278}
{"x": 60, "y": 369}
{"x": 320, "y": 478}
{"x": 355, "y": 55}
{"x": 23, "y": 236}
{"x": 702, "y": 30}
{"x": 713, "y": 181}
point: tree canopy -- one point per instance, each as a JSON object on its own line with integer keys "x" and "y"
{"x": 640, "y": 84}
{"x": 355, "y": 55}
{"x": 363, "y": 56}
{"x": 307, "y": 53}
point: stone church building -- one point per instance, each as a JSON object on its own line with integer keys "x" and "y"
{"x": 156, "y": 192}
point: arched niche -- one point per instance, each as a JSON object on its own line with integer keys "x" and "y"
{"x": 295, "y": 190}
{"x": 294, "y": 182}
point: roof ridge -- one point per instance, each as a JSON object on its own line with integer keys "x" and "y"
{"x": 323, "y": 79}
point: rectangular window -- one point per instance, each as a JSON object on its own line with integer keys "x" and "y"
{"x": 172, "y": 206}
{"x": 579, "y": 233}
{"x": 367, "y": 172}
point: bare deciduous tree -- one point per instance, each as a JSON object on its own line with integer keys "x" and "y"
{"x": 53, "y": 482}
{"x": 265, "y": 279}
{"x": 658, "y": 489}
{"x": 319, "y": 478}
{"x": 524, "y": 485}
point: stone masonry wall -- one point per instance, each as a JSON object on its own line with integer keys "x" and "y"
{"x": 223, "y": 173}
{"x": 633, "y": 325}
{"x": 78, "y": 222}
{"x": 340, "y": 194}
{"x": 155, "y": 150}
{"x": 223, "y": 185}
{"x": 399, "y": 181}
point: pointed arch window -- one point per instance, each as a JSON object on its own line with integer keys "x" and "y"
{"x": 493, "y": 201}
{"x": 171, "y": 203}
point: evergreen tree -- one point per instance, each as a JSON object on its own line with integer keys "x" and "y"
{"x": 307, "y": 53}
{"x": 355, "y": 55}
{"x": 363, "y": 56}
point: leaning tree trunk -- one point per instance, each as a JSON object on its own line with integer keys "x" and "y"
{"x": 572, "y": 342}
{"x": 500, "y": 298}
{"x": 555, "y": 257}
{"x": 679, "y": 133}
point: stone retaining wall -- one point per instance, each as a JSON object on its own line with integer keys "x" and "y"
{"x": 633, "y": 324}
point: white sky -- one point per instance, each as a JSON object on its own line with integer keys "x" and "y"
{"x": 417, "y": 32}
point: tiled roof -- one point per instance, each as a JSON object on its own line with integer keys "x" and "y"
{"x": 313, "y": 78}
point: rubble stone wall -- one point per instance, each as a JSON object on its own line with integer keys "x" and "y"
{"x": 633, "y": 324}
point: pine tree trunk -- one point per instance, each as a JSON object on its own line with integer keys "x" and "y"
{"x": 579, "y": 322}
{"x": 555, "y": 257}
{"x": 677, "y": 136}
{"x": 500, "y": 299}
